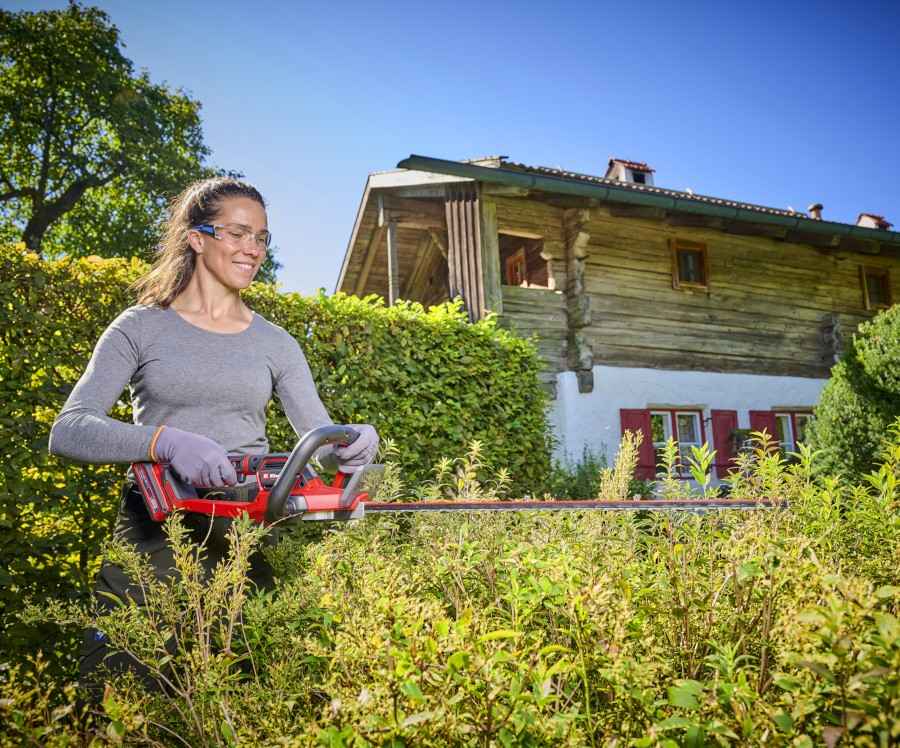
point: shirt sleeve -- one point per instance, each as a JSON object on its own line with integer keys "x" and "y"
{"x": 83, "y": 431}
{"x": 296, "y": 390}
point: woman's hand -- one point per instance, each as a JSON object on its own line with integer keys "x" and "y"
{"x": 199, "y": 461}
{"x": 354, "y": 456}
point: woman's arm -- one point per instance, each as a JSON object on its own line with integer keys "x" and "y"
{"x": 83, "y": 431}
{"x": 297, "y": 392}
{"x": 304, "y": 409}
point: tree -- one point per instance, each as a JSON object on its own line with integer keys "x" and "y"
{"x": 90, "y": 151}
{"x": 75, "y": 117}
{"x": 861, "y": 400}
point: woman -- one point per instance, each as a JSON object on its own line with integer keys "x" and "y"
{"x": 201, "y": 367}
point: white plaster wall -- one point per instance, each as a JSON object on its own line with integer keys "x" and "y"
{"x": 592, "y": 419}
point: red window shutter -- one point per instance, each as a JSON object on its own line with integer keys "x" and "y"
{"x": 639, "y": 420}
{"x": 764, "y": 420}
{"x": 724, "y": 422}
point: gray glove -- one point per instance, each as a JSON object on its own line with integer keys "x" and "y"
{"x": 359, "y": 454}
{"x": 198, "y": 460}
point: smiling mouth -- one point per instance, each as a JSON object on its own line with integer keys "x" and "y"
{"x": 245, "y": 266}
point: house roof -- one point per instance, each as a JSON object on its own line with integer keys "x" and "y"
{"x": 562, "y": 181}
{"x": 645, "y": 188}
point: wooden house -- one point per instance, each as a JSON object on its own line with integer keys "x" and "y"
{"x": 671, "y": 312}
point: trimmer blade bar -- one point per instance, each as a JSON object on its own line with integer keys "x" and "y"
{"x": 654, "y": 505}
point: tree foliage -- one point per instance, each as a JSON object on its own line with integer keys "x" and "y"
{"x": 861, "y": 399}
{"x": 76, "y": 116}
{"x": 90, "y": 150}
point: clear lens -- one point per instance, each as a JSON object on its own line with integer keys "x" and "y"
{"x": 240, "y": 235}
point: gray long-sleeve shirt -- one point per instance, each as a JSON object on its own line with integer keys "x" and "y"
{"x": 214, "y": 384}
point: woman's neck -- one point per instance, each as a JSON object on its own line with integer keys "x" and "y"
{"x": 211, "y": 301}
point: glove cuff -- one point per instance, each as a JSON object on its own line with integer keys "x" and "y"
{"x": 152, "y": 450}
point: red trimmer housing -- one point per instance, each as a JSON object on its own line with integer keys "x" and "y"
{"x": 270, "y": 487}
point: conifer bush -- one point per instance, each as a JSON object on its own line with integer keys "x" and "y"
{"x": 861, "y": 398}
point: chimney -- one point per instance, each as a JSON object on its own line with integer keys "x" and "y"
{"x": 492, "y": 162}
{"x": 815, "y": 211}
{"x": 635, "y": 172}
{"x": 871, "y": 221}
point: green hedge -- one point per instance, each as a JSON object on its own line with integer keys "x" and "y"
{"x": 426, "y": 379}
{"x": 646, "y": 630}
{"x": 861, "y": 399}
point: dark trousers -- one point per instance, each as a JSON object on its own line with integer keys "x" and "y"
{"x": 134, "y": 526}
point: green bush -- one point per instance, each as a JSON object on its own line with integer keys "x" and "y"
{"x": 428, "y": 380}
{"x": 738, "y": 628}
{"x": 861, "y": 399}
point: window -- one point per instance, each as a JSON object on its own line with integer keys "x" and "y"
{"x": 639, "y": 177}
{"x": 876, "y": 287}
{"x": 791, "y": 429}
{"x": 685, "y": 426}
{"x": 690, "y": 267}
{"x": 523, "y": 262}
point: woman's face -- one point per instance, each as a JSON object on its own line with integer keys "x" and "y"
{"x": 234, "y": 258}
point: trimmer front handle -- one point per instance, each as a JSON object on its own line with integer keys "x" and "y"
{"x": 299, "y": 459}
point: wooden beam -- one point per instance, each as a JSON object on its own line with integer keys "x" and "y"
{"x": 380, "y": 205}
{"x": 566, "y": 202}
{"x": 490, "y": 256}
{"x": 808, "y": 237}
{"x": 422, "y": 255}
{"x": 418, "y": 221}
{"x": 413, "y": 206}
{"x": 439, "y": 243}
{"x": 755, "y": 229}
{"x": 393, "y": 265}
{"x": 369, "y": 259}
{"x": 520, "y": 233}
{"x": 621, "y": 210}
{"x": 433, "y": 191}
{"x": 694, "y": 221}
{"x": 865, "y": 246}
{"x": 504, "y": 190}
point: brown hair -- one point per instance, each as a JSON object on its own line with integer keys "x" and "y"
{"x": 176, "y": 260}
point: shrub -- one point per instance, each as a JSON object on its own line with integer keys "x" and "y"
{"x": 580, "y": 480}
{"x": 861, "y": 399}
{"x": 742, "y": 628}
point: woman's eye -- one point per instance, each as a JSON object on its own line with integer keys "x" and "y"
{"x": 236, "y": 234}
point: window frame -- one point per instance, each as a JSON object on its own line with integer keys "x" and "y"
{"x": 675, "y": 246}
{"x": 671, "y": 428}
{"x": 884, "y": 274}
{"x": 791, "y": 415}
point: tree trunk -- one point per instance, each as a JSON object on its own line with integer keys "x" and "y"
{"x": 43, "y": 214}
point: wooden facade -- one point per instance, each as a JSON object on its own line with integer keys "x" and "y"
{"x": 775, "y": 299}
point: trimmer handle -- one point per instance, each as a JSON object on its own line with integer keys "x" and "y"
{"x": 298, "y": 460}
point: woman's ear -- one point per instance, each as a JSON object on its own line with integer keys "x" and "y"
{"x": 195, "y": 240}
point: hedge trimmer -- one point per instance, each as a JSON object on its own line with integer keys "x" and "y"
{"x": 281, "y": 486}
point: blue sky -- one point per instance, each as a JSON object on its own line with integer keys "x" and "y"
{"x": 780, "y": 104}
